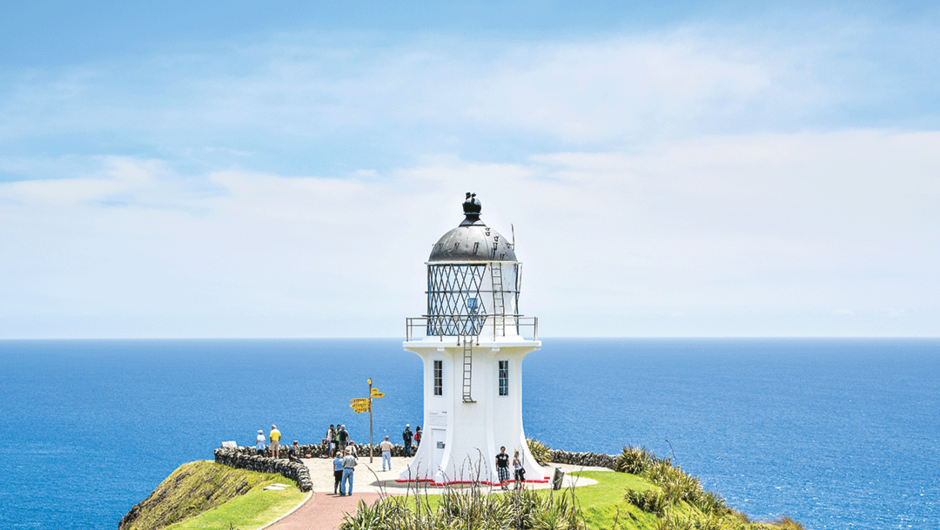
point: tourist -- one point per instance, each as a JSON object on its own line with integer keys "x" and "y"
{"x": 331, "y": 440}
{"x": 386, "y": 448}
{"x": 337, "y": 471}
{"x": 349, "y": 467}
{"x": 336, "y": 446}
{"x": 342, "y": 436}
{"x": 406, "y": 436}
{"x": 259, "y": 442}
{"x": 417, "y": 437}
{"x": 275, "y": 441}
{"x": 519, "y": 471}
{"x": 351, "y": 449}
{"x": 294, "y": 453}
{"x": 502, "y": 466}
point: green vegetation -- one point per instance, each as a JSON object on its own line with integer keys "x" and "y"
{"x": 470, "y": 508}
{"x": 208, "y": 495}
{"x": 653, "y": 495}
{"x": 647, "y": 493}
{"x": 540, "y": 452}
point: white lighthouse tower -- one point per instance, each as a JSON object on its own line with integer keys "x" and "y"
{"x": 472, "y": 341}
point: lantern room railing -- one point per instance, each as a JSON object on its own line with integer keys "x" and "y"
{"x": 495, "y": 326}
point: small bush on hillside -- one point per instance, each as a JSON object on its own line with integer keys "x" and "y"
{"x": 541, "y": 452}
{"x": 635, "y": 460}
{"x": 711, "y": 502}
{"x": 650, "y": 501}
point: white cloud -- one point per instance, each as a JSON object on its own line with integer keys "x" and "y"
{"x": 613, "y": 243}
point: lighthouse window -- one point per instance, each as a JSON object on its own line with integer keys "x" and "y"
{"x": 438, "y": 378}
{"x": 504, "y": 378}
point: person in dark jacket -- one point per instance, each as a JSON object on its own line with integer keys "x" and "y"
{"x": 406, "y": 436}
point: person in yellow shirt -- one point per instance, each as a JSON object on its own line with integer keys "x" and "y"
{"x": 275, "y": 440}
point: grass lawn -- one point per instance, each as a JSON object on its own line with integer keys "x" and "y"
{"x": 602, "y": 504}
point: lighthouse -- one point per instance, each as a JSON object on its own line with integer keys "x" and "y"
{"x": 472, "y": 341}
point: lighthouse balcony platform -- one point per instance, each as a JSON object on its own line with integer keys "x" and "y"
{"x": 482, "y": 328}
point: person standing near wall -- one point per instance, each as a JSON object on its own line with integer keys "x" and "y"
{"x": 259, "y": 443}
{"x": 386, "y": 448}
{"x": 502, "y": 467}
{"x": 331, "y": 441}
{"x": 275, "y": 441}
{"x": 343, "y": 437}
{"x": 406, "y": 436}
{"x": 519, "y": 471}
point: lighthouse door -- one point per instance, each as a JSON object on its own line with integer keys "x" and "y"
{"x": 438, "y": 435}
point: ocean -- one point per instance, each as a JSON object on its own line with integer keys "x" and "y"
{"x": 835, "y": 433}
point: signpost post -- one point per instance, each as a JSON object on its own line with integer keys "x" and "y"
{"x": 371, "y": 449}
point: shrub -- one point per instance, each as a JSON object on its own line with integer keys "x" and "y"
{"x": 710, "y": 502}
{"x": 650, "y": 501}
{"x": 540, "y": 452}
{"x": 635, "y": 460}
{"x": 470, "y": 509}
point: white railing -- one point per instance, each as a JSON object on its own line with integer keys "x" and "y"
{"x": 495, "y": 326}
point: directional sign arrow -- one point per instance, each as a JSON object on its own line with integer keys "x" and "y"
{"x": 377, "y": 394}
{"x": 359, "y": 401}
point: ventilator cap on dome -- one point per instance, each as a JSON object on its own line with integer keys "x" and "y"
{"x": 472, "y": 240}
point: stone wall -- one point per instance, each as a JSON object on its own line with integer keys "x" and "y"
{"x": 317, "y": 451}
{"x": 585, "y": 459}
{"x": 241, "y": 460}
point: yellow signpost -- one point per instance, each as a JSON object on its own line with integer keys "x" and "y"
{"x": 365, "y": 405}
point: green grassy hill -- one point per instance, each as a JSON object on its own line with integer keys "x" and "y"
{"x": 204, "y": 494}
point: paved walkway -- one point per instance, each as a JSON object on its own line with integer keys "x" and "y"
{"x": 324, "y": 511}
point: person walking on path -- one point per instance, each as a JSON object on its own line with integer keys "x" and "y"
{"x": 502, "y": 467}
{"x": 275, "y": 441}
{"x": 406, "y": 436}
{"x": 519, "y": 471}
{"x": 386, "y": 448}
{"x": 349, "y": 467}
{"x": 417, "y": 437}
{"x": 259, "y": 443}
{"x": 337, "y": 471}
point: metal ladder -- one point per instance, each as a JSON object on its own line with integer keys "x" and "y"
{"x": 499, "y": 307}
{"x": 467, "y": 369}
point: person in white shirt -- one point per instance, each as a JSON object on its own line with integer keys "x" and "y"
{"x": 386, "y": 448}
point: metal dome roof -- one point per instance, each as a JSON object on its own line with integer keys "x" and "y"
{"x": 472, "y": 240}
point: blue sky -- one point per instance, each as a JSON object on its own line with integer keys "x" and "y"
{"x": 684, "y": 169}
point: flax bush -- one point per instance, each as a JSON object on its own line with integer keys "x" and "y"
{"x": 635, "y": 460}
{"x": 541, "y": 452}
{"x": 470, "y": 509}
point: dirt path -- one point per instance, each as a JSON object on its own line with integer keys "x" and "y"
{"x": 323, "y": 512}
